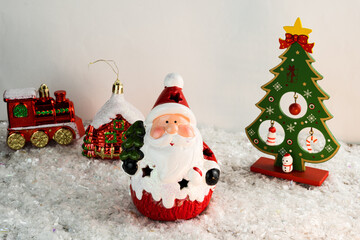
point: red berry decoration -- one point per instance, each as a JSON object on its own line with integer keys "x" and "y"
{"x": 295, "y": 109}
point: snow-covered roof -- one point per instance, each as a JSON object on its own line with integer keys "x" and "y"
{"x": 116, "y": 105}
{"x": 20, "y": 93}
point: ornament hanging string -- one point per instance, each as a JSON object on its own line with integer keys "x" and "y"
{"x": 295, "y": 108}
{"x": 117, "y": 86}
{"x": 108, "y": 63}
{"x": 295, "y": 96}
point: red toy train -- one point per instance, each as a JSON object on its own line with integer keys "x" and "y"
{"x": 38, "y": 119}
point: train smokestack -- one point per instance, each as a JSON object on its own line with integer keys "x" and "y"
{"x": 60, "y": 95}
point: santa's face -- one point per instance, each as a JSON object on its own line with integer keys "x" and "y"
{"x": 171, "y": 124}
{"x": 173, "y": 145}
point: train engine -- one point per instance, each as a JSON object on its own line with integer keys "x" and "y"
{"x": 37, "y": 119}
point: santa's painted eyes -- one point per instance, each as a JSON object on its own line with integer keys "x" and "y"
{"x": 168, "y": 121}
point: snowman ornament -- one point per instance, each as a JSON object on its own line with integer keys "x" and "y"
{"x": 173, "y": 172}
{"x": 287, "y": 163}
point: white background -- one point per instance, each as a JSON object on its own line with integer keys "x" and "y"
{"x": 223, "y": 50}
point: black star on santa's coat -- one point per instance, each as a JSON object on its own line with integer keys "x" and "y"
{"x": 146, "y": 171}
{"x": 183, "y": 183}
{"x": 175, "y": 97}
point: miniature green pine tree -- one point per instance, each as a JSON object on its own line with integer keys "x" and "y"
{"x": 131, "y": 152}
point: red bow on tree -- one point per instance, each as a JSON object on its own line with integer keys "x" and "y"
{"x": 301, "y": 39}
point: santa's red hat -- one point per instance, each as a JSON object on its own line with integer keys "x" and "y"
{"x": 171, "y": 100}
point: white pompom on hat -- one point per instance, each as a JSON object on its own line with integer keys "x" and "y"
{"x": 174, "y": 80}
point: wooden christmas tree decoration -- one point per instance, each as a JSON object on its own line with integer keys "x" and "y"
{"x": 106, "y": 133}
{"x": 296, "y": 75}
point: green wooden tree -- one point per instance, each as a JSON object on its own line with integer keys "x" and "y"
{"x": 294, "y": 74}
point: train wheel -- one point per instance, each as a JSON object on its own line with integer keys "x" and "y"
{"x": 63, "y": 136}
{"x": 16, "y": 141}
{"x": 39, "y": 139}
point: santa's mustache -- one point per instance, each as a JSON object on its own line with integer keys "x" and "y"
{"x": 171, "y": 140}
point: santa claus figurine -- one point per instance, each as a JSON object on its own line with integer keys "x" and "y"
{"x": 173, "y": 172}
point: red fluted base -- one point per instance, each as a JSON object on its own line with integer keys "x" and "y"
{"x": 183, "y": 209}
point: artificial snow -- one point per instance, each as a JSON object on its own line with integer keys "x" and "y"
{"x": 56, "y": 193}
{"x": 20, "y": 93}
{"x": 116, "y": 105}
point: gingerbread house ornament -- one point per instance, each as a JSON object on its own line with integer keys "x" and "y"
{"x": 105, "y": 134}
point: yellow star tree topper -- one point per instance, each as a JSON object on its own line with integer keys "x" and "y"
{"x": 297, "y": 29}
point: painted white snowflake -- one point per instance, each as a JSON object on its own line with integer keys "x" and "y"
{"x": 311, "y": 118}
{"x": 307, "y": 93}
{"x": 282, "y": 151}
{"x": 290, "y": 127}
{"x": 251, "y": 132}
{"x": 329, "y": 148}
{"x": 269, "y": 110}
{"x": 277, "y": 86}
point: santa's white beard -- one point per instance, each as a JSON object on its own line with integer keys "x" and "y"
{"x": 172, "y": 162}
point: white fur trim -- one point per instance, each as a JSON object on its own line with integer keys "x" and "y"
{"x": 170, "y": 108}
{"x": 173, "y": 80}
